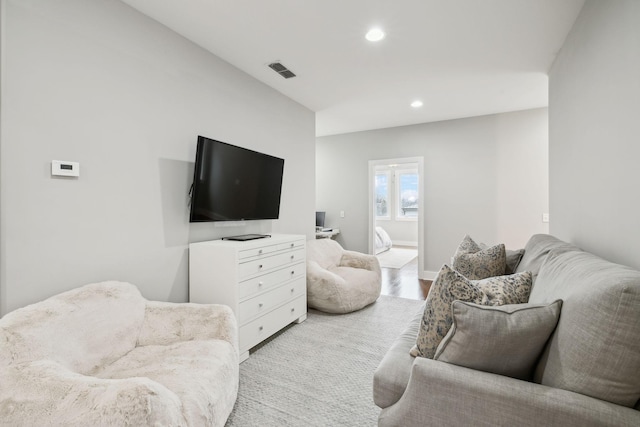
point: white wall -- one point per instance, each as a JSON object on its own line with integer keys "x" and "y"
{"x": 486, "y": 176}
{"x": 594, "y": 110}
{"x": 99, "y": 83}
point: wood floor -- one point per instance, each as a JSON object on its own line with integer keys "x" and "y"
{"x": 403, "y": 282}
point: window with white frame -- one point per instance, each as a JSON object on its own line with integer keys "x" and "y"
{"x": 407, "y": 194}
{"x": 383, "y": 207}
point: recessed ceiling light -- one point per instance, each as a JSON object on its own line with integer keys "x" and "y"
{"x": 417, "y": 104}
{"x": 375, "y": 35}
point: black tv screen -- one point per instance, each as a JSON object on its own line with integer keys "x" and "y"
{"x": 232, "y": 183}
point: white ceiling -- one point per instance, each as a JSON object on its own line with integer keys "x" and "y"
{"x": 462, "y": 58}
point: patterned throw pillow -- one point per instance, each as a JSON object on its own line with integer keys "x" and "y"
{"x": 450, "y": 286}
{"x": 476, "y": 263}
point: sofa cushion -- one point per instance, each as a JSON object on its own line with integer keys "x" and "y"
{"x": 595, "y": 349}
{"x": 449, "y": 286}
{"x": 505, "y": 340}
{"x": 475, "y": 263}
{"x": 201, "y": 373}
{"x": 536, "y": 251}
{"x": 392, "y": 375}
{"x": 80, "y": 329}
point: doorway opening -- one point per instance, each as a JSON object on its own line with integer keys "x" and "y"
{"x": 396, "y": 212}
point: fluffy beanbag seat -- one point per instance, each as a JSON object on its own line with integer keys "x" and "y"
{"x": 101, "y": 354}
{"x": 340, "y": 281}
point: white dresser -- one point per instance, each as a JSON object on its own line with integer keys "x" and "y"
{"x": 263, "y": 281}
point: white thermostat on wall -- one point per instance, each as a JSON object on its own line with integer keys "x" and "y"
{"x": 60, "y": 168}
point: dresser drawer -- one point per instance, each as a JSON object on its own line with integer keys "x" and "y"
{"x": 291, "y": 245}
{"x": 254, "y": 252}
{"x": 254, "y": 332}
{"x": 268, "y": 281}
{"x": 266, "y": 302}
{"x": 249, "y": 268}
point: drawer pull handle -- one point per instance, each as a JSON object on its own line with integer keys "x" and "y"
{"x": 292, "y": 290}
{"x": 260, "y": 266}
{"x": 260, "y": 252}
{"x": 260, "y": 305}
{"x": 260, "y": 328}
{"x": 293, "y": 309}
{"x": 292, "y": 257}
{"x": 292, "y": 245}
{"x": 260, "y": 283}
{"x": 293, "y": 272}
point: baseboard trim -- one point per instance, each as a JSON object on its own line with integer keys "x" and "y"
{"x": 405, "y": 243}
{"x": 429, "y": 275}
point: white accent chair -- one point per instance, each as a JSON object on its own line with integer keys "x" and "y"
{"x": 101, "y": 354}
{"x": 340, "y": 281}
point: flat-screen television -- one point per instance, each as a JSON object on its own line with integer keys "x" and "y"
{"x": 232, "y": 183}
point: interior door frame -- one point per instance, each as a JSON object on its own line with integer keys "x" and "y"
{"x": 372, "y": 205}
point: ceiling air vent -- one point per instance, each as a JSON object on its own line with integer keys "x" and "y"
{"x": 282, "y": 70}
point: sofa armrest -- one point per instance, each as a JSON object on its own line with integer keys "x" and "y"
{"x": 443, "y": 394}
{"x": 167, "y": 323}
{"x": 359, "y": 260}
{"x": 46, "y": 393}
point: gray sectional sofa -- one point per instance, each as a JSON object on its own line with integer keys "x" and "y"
{"x": 587, "y": 375}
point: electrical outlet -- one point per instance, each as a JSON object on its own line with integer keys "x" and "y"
{"x": 341, "y": 214}
{"x": 545, "y": 217}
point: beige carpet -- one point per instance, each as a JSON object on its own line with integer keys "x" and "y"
{"x": 396, "y": 257}
{"x": 320, "y": 373}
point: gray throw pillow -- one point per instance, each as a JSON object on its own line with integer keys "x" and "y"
{"x": 450, "y": 286}
{"x": 505, "y": 340}
{"x": 476, "y": 263}
{"x": 513, "y": 259}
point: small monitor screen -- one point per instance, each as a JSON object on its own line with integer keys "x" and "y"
{"x": 319, "y": 219}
